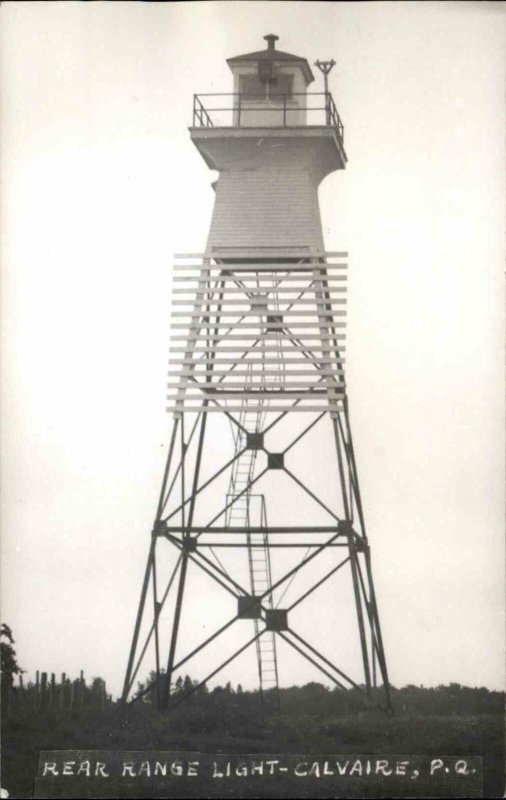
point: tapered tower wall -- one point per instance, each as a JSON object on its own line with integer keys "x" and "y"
{"x": 267, "y": 191}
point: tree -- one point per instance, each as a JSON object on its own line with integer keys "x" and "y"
{"x": 8, "y": 663}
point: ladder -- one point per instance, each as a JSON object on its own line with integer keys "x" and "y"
{"x": 261, "y": 581}
{"x": 240, "y": 512}
{"x": 240, "y": 515}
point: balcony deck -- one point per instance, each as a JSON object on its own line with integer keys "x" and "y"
{"x": 232, "y": 110}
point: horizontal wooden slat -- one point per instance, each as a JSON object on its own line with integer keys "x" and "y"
{"x": 236, "y": 381}
{"x": 297, "y": 313}
{"x": 271, "y": 265}
{"x": 236, "y": 374}
{"x": 252, "y": 339}
{"x": 263, "y": 395}
{"x": 257, "y": 308}
{"x": 317, "y": 270}
{"x": 281, "y": 294}
{"x": 289, "y": 278}
{"x": 218, "y": 389}
{"x": 264, "y": 349}
{"x": 245, "y": 325}
{"x": 305, "y": 376}
{"x": 253, "y": 409}
{"x": 290, "y": 252}
{"x": 280, "y": 336}
{"x": 305, "y": 360}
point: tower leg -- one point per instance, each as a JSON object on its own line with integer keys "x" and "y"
{"x": 377, "y": 648}
{"x": 149, "y": 569}
{"x": 184, "y": 563}
{"x": 360, "y": 614}
{"x": 377, "y": 627}
{"x": 175, "y": 630}
{"x": 140, "y": 611}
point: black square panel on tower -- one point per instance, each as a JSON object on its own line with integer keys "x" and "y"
{"x": 274, "y": 321}
{"x": 255, "y": 441}
{"x": 190, "y": 544}
{"x": 276, "y": 461}
{"x": 249, "y": 607}
{"x": 276, "y": 619}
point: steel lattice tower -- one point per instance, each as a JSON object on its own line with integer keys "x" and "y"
{"x": 258, "y": 329}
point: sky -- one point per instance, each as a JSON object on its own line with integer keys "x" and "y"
{"x": 100, "y": 185}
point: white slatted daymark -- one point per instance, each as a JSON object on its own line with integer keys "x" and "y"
{"x": 243, "y": 316}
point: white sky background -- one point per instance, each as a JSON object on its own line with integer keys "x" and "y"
{"x": 100, "y": 184}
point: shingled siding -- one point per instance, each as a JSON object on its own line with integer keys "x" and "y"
{"x": 266, "y": 207}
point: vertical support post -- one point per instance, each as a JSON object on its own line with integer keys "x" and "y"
{"x": 284, "y": 109}
{"x": 358, "y": 499}
{"x": 72, "y": 693}
{"x": 182, "y": 579}
{"x": 184, "y": 561}
{"x": 183, "y": 482}
{"x": 82, "y": 686}
{"x": 52, "y": 693}
{"x": 133, "y": 648}
{"x": 62, "y": 690}
{"x": 239, "y": 111}
{"x": 325, "y": 67}
{"x": 360, "y": 614}
{"x": 147, "y": 573}
{"x": 196, "y": 472}
{"x": 341, "y": 469}
{"x": 381, "y": 650}
{"x": 156, "y": 612}
{"x": 175, "y": 629}
{"x": 156, "y": 606}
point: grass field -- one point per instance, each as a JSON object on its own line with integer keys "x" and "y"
{"x": 141, "y": 728}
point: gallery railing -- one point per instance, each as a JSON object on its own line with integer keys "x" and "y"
{"x": 276, "y": 109}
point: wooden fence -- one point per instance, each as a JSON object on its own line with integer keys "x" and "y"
{"x": 48, "y": 694}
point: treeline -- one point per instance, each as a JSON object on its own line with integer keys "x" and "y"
{"x": 315, "y": 700}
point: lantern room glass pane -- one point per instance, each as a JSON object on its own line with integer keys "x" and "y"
{"x": 254, "y": 90}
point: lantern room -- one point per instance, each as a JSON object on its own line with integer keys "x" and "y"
{"x": 270, "y": 87}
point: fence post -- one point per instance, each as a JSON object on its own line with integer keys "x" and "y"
{"x": 62, "y": 691}
{"x": 72, "y": 690}
{"x": 43, "y": 689}
{"x": 81, "y": 689}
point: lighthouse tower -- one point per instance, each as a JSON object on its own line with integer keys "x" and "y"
{"x": 257, "y": 373}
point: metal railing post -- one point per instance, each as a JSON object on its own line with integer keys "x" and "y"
{"x": 201, "y": 117}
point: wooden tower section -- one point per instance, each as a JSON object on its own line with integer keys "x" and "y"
{"x": 257, "y": 344}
